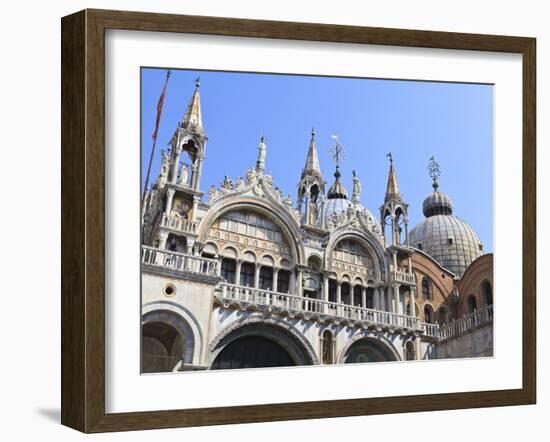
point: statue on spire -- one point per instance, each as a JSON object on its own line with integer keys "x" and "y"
{"x": 262, "y": 150}
{"x": 434, "y": 171}
{"x": 356, "y": 188}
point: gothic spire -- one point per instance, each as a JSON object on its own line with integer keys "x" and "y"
{"x": 312, "y": 167}
{"x": 392, "y": 188}
{"x": 192, "y": 120}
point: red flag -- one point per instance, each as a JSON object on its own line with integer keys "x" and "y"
{"x": 159, "y": 106}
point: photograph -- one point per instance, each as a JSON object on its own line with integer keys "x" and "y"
{"x": 291, "y": 220}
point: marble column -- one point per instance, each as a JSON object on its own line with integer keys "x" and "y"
{"x": 163, "y": 237}
{"x": 412, "y": 302}
{"x": 275, "y": 276}
{"x": 376, "y": 299}
{"x": 363, "y": 297}
{"x": 292, "y": 282}
{"x": 338, "y": 292}
{"x": 396, "y": 303}
{"x": 257, "y": 276}
{"x": 169, "y": 199}
{"x": 238, "y": 272}
{"x": 299, "y": 283}
{"x": 198, "y": 174}
{"x": 325, "y": 288}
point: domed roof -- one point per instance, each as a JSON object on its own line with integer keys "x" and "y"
{"x": 437, "y": 203}
{"x": 449, "y": 240}
{"x": 339, "y": 206}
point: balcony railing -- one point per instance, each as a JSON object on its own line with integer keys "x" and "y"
{"x": 179, "y": 261}
{"x": 466, "y": 324}
{"x": 231, "y": 292}
{"x": 403, "y": 277}
{"x": 179, "y": 224}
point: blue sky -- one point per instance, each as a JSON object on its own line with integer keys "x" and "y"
{"x": 414, "y": 120}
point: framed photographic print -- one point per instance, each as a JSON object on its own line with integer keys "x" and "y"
{"x": 268, "y": 220}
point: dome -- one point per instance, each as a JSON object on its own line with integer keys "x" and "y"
{"x": 447, "y": 239}
{"x": 437, "y": 203}
{"x": 339, "y": 206}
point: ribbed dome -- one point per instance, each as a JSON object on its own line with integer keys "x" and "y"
{"x": 338, "y": 206}
{"x": 437, "y": 203}
{"x": 447, "y": 239}
{"x": 337, "y": 190}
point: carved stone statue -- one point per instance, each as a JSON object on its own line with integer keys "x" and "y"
{"x": 240, "y": 183}
{"x": 227, "y": 184}
{"x": 212, "y": 193}
{"x": 250, "y": 176}
{"x": 262, "y": 150}
{"x": 288, "y": 202}
{"x": 184, "y": 175}
{"x": 356, "y": 188}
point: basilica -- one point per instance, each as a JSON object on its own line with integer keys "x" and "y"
{"x": 242, "y": 276}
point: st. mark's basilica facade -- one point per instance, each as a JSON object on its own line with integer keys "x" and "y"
{"x": 245, "y": 276}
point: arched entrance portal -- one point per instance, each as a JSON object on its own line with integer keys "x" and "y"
{"x": 252, "y": 352}
{"x": 162, "y": 348}
{"x": 368, "y": 350}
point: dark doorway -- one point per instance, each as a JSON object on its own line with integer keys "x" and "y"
{"x": 252, "y": 352}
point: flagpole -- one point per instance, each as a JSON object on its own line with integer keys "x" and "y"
{"x": 159, "y": 111}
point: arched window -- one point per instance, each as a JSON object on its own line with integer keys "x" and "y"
{"x": 357, "y": 298}
{"x": 327, "y": 347}
{"x": 283, "y": 281}
{"x": 228, "y": 270}
{"x": 345, "y": 293}
{"x": 472, "y": 303}
{"x": 266, "y": 278}
{"x": 428, "y": 314}
{"x": 409, "y": 351}
{"x": 332, "y": 290}
{"x": 247, "y": 274}
{"x": 487, "y": 292}
{"x": 426, "y": 287}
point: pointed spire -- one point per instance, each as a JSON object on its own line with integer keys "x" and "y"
{"x": 312, "y": 161}
{"x": 392, "y": 189}
{"x": 192, "y": 120}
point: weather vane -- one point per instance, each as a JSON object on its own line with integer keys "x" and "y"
{"x": 337, "y": 151}
{"x": 389, "y": 155}
{"x": 198, "y": 81}
{"x": 434, "y": 171}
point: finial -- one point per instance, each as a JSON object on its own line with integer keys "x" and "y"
{"x": 312, "y": 132}
{"x": 434, "y": 171}
{"x": 168, "y": 73}
{"x": 390, "y": 156}
{"x": 337, "y": 152}
{"x": 198, "y": 82}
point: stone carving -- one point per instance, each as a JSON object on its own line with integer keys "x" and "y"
{"x": 240, "y": 184}
{"x": 250, "y": 176}
{"x": 212, "y": 193}
{"x": 227, "y": 184}
{"x": 184, "y": 175}
{"x": 356, "y": 188}
{"x": 262, "y": 150}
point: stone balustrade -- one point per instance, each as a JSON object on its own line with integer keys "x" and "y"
{"x": 313, "y": 307}
{"x": 179, "y": 224}
{"x": 180, "y": 262}
{"x": 403, "y": 277}
{"x": 477, "y": 319}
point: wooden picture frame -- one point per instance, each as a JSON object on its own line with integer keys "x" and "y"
{"x": 83, "y": 219}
